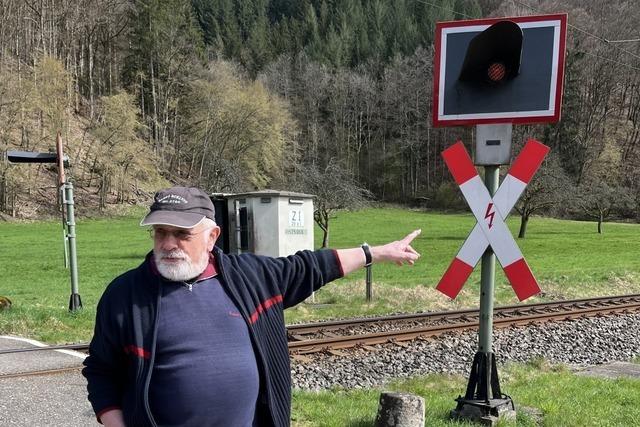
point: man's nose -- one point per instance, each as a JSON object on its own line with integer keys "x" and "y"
{"x": 169, "y": 242}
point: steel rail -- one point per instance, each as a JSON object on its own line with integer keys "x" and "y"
{"x": 507, "y": 310}
{"x": 78, "y": 346}
{"x": 341, "y": 342}
{"x": 39, "y": 372}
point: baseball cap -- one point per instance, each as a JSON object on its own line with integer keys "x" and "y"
{"x": 182, "y": 207}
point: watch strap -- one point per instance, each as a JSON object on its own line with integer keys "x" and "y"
{"x": 367, "y": 254}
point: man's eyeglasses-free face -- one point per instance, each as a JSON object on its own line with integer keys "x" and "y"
{"x": 182, "y": 235}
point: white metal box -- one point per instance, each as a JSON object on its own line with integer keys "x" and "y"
{"x": 270, "y": 222}
{"x": 493, "y": 144}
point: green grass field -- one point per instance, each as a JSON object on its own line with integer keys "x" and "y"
{"x": 569, "y": 258}
{"x": 543, "y": 395}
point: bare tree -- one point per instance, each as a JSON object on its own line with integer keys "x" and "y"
{"x": 335, "y": 190}
{"x": 548, "y": 187}
{"x": 600, "y": 201}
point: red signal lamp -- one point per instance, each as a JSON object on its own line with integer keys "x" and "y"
{"x": 496, "y": 72}
{"x": 494, "y": 55}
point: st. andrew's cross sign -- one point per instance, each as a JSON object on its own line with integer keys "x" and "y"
{"x": 490, "y": 214}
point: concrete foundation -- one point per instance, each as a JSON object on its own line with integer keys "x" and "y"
{"x": 485, "y": 413}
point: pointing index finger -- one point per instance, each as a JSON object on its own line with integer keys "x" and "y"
{"x": 411, "y": 236}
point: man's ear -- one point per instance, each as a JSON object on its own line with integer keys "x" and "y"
{"x": 213, "y": 237}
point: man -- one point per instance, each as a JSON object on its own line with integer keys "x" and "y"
{"x": 196, "y": 337}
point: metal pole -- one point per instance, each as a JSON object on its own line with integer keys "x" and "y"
{"x": 483, "y": 396}
{"x": 487, "y": 280}
{"x": 236, "y": 208}
{"x": 368, "y": 283}
{"x": 75, "y": 303}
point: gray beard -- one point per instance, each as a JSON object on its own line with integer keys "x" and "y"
{"x": 183, "y": 270}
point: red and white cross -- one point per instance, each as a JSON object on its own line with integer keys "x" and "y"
{"x": 490, "y": 214}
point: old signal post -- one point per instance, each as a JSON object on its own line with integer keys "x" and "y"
{"x": 493, "y": 73}
{"x": 68, "y": 213}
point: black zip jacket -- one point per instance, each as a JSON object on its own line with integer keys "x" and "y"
{"x": 121, "y": 354}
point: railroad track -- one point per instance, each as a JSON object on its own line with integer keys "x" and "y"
{"x": 333, "y": 335}
{"x": 323, "y": 336}
{"x": 43, "y": 372}
{"x": 40, "y": 372}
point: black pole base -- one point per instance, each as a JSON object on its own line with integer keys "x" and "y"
{"x": 486, "y": 413}
{"x": 483, "y": 400}
{"x": 75, "y": 303}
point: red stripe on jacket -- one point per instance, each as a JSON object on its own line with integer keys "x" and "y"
{"x": 264, "y": 306}
{"x": 137, "y": 351}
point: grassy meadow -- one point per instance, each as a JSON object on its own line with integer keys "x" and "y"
{"x": 569, "y": 258}
{"x": 543, "y": 395}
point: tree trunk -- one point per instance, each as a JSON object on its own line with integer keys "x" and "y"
{"x": 91, "y": 94}
{"x": 600, "y": 220}
{"x": 524, "y": 220}
{"x": 14, "y": 198}
{"x": 111, "y": 62}
{"x": 142, "y": 112}
{"x": 158, "y": 148}
{"x": 325, "y": 236}
{"x": 76, "y": 83}
{"x": 102, "y": 192}
{"x": 3, "y": 191}
{"x": 24, "y": 142}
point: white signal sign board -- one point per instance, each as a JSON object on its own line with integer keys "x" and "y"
{"x": 533, "y": 95}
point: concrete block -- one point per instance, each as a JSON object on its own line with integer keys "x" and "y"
{"x": 400, "y": 410}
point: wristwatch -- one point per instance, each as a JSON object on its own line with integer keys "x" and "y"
{"x": 367, "y": 254}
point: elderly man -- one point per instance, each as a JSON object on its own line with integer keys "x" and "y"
{"x": 196, "y": 337}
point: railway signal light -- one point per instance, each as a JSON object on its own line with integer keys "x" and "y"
{"x": 16, "y": 156}
{"x": 493, "y": 56}
{"x": 499, "y": 70}
{"x": 68, "y": 215}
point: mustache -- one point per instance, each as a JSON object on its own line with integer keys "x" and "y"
{"x": 175, "y": 253}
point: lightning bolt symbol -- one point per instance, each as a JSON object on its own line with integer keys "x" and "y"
{"x": 489, "y": 214}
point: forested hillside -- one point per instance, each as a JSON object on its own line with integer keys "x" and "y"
{"x": 235, "y": 95}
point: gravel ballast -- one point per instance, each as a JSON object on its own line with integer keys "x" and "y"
{"x": 583, "y": 342}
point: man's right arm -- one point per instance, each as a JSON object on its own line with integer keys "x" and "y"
{"x": 112, "y": 418}
{"x": 300, "y": 274}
